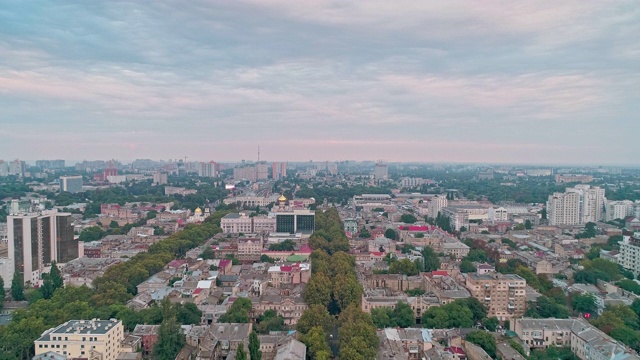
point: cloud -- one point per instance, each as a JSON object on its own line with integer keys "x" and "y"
{"x": 319, "y": 78}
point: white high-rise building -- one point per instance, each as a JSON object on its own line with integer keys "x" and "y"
{"x": 436, "y": 204}
{"x": 630, "y": 254}
{"x": 592, "y": 202}
{"x": 563, "y": 209}
{"x": 578, "y": 205}
{"x": 381, "y": 172}
{"x": 619, "y": 209}
{"x": 36, "y": 239}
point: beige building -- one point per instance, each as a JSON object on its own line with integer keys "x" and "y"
{"x": 90, "y": 339}
{"x": 503, "y": 295}
{"x": 436, "y": 204}
{"x": 243, "y": 223}
{"x": 249, "y": 249}
{"x": 290, "y": 307}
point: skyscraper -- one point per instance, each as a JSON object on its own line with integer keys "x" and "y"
{"x": 37, "y": 239}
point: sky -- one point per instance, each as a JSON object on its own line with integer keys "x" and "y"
{"x": 420, "y": 81}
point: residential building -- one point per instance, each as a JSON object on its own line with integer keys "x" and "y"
{"x": 619, "y": 209}
{"x": 249, "y": 249}
{"x": 160, "y": 178}
{"x": 381, "y": 172}
{"x": 291, "y": 349}
{"x": 228, "y": 337}
{"x": 458, "y": 218}
{"x": 585, "y": 340}
{"x": 89, "y": 339}
{"x": 592, "y": 203}
{"x": 172, "y": 190}
{"x": 72, "y": 184}
{"x": 436, "y": 205}
{"x": 498, "y": 214}
{"x": 149, "y": 336}
{"x": 629, "y": 257}
{"x": 278, "y": 170}
{"x": 504, "y": 295}
{"x": 37, "y": 239}
{"x": 563, "y": 209}
{"x": 409, "y": 343}
{"x": 209, "y": 169}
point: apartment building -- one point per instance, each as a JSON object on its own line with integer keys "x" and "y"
{"x": 619, "y": 209}
{"x": 585, "y": 340}
{"x": 436, "y": 205}
{"x": 563, "y": 179}
{"x": 89, "y": 339}
{"x": 249, "y": 249}
{"x": 563, "y": 209}
{"x": 504, "y": 295}
{"x": 629, "y": 257}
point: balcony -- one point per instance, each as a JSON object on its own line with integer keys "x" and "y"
{"x": 487, "y": 298}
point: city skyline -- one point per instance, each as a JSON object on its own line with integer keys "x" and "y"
{"x": 526, "y": 83}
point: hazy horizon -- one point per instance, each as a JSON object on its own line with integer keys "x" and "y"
{"x": 532, "y": 82}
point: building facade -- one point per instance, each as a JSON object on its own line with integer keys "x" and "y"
{"x": 89, "y": 339}
{"x": 37, "y": 239}
{"x": 503, "y": 295}
{"x": 72, "y": 184}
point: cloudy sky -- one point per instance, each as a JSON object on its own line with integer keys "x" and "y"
{"x": 461, "y": 81}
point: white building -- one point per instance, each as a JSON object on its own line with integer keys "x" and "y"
{"x": 592, "y": 203}
{"x": 498, "y": 214}
{"x": 381, "y": 172}
{"x": 563, "y": 209}
{"x": 629, "y": 257}
{"x": 619, "y": 209}
{"x": 436, "y": 204}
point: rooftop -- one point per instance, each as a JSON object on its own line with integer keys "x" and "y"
{"x": 89, "y": 327}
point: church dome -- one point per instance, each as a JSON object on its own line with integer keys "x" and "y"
{"x": 198, "y": 211}
{"x": 282, "y": 198}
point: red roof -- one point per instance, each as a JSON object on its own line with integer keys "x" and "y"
{"x": 286, "y": 268}
{"x": 376, "y": 253}
{"x": 177, "y": 263}
{"x": 418, "y": 228}
{"x": 224, "y": 263}
{"x": 305, "y": 249}
{"x": 455, "y": 350}
{"x": 197, "y": 291}
{"x": 439, "y": 273}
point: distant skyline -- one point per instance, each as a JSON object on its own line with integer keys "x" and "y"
{"x": 530, "y": 82}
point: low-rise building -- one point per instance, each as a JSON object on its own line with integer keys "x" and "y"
{"x": 92, "y": 339}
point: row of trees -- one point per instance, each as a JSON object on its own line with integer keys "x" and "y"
{"x": 334, "y": 290}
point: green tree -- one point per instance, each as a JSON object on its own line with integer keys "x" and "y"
{"x": 484, "y": 340}
{"x": 170, "y": 340}
{"x": 240, "y": 353}
{"x": 408, "y": 219}
{"x": 491, "y": 323}
{"x": 528, "y": 225}
{"x": 269, "y": 321}
{"x": 207, "y": 253}
{"x": 188, "y": 314}
{"x": 346, "y": 290}
{"x": 17, "y": 287}
{"x": 404, "y": 266}
{"x": 267, "y": 259}
{"x": 317, "y": 344}
{"x": 467, "y": 267}
{"x": 254, "y": 347}
{"x": 403, "y": 315}
{"x": 318, "y": 290}
{"x": 56, "y": 276}
{"x": 315, "y": 315}
{"x": 431, "y": 260}
{"x": 585, "y": 303}
{"x": 415, "y": 292}
{"x": 238, "y": 312}
{"x": 391, "y": 234}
